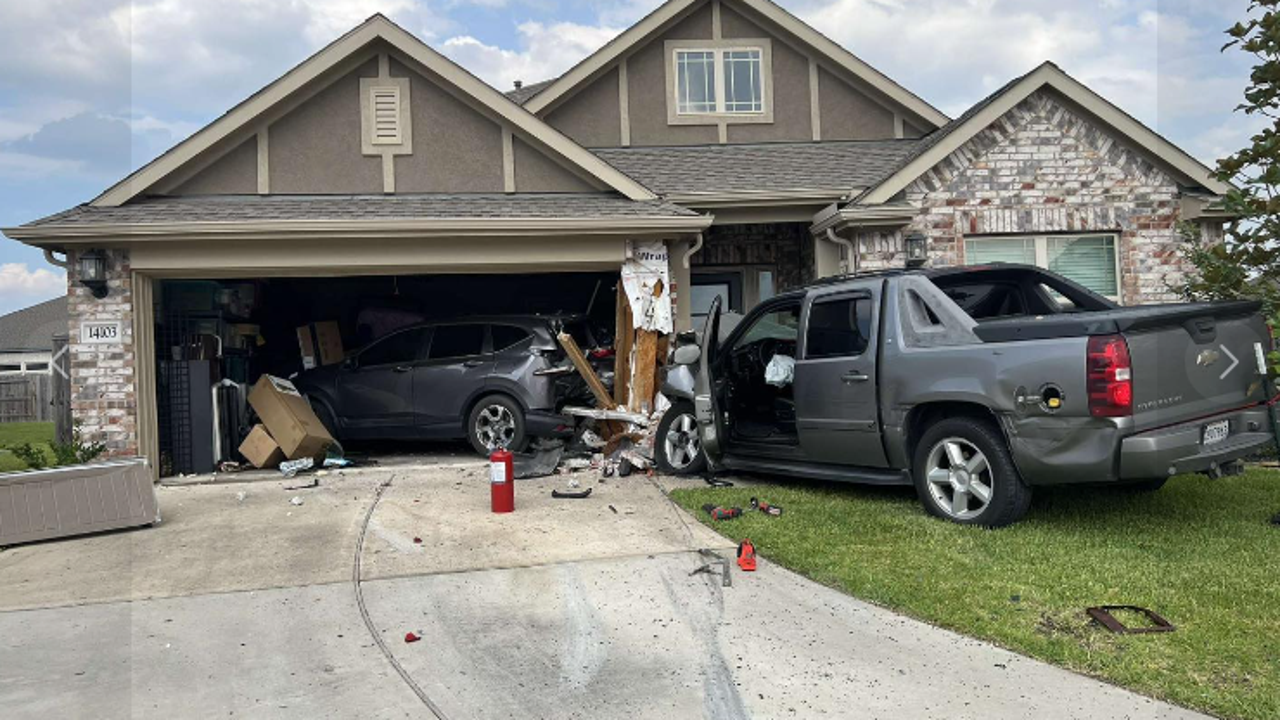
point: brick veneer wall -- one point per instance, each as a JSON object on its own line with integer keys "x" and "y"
{"x": 103, "y": 397}
{"x": 1042, "y": 168}
{"x": 786, "y": 247}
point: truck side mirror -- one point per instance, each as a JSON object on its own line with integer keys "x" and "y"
{"x": 686, "y": 355}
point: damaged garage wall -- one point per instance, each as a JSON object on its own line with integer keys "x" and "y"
{"x": 1044, "y": 169}
{"x": 103, "y": 398}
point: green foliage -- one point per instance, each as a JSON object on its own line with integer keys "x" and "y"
{"x": 34, "y": 457}
{"x": 1246, "y": 264}
{"x": 30, "y": 455}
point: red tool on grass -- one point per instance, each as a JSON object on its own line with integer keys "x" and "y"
{"x": 722, "y": 513}
{"x": 766, "y": 508}
{"x": 747, "y": 556}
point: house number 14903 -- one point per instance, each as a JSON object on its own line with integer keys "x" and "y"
{"x": 100, "y": 332}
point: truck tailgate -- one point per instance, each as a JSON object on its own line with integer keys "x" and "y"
{"x": 1192, "y": 361}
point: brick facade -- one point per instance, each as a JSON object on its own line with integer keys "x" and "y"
{"x": 1042, "y": 168}
{"x": 787, "y": 248}
{"x": 103, "y": 398}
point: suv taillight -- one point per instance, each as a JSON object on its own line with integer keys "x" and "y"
{"x": 1109, "y": 376}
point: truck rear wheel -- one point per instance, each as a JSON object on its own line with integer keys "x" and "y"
{"x": 964, "y": 473}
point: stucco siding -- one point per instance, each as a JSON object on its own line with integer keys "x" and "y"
{"x": 536, "y": 172}
{"x": 790, "y": 86}
{"x": 455, "y": 147}
{"x": 848, "y": 114}
{"x": 592, "y": 117}
{"x": 235, "y": 173}
{"x": 316, "y": 148}
{"x": 647, "y": 80}
{"x": 1044, "y": 168}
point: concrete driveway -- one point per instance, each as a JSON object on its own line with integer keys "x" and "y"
{"x": 244, "y": 606}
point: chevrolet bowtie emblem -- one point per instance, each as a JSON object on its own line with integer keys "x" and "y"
{"x": 1207, "y": 357}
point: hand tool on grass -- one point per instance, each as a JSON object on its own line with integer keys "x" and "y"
{"x": 722, "y": 513}
{"x": 766, "y": 508}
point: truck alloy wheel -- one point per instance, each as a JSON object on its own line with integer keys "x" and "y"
{"x": 679, "y": 447}
{"x": 959, "y": 478}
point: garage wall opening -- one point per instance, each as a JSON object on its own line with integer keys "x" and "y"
{"x": 215, "y": 338}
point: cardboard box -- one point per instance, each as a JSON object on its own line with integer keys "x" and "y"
{"x": 321, "y": 344}
{"x": 260, "y": 449}
{"x": 288, "y": 418}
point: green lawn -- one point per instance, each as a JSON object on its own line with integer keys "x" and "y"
{"x": 1201, "y": 553}
{"x": 17, "y": 433}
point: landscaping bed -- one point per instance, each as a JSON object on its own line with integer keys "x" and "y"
{"x": 1201, "y": 553}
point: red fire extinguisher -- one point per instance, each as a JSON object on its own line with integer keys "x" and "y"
{"x": 502, "y": 489}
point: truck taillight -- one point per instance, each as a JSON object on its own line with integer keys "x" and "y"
{"x": 1109, "y": 376}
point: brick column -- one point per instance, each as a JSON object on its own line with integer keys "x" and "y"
{"x": 103, "y": 395}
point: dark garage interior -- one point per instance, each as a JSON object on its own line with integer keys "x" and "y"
{"x": 215, "y": 338}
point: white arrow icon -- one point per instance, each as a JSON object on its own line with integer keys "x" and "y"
{"x": 1234, "y": 363}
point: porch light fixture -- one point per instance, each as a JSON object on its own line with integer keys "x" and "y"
{"x": 917, "y": 249}
{"x": 93, "y": 272}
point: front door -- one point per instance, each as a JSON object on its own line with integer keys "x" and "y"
{"x": 458, "y": 362}
{"x": 837, "y": 415}
{"x": 376, "y": 390}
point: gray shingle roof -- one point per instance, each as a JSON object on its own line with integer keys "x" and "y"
{"x": 763, "y": 167}
{"x": 253, "y": 208}
{"x": 32, "y": 329}
{"x": 525, "y": 93}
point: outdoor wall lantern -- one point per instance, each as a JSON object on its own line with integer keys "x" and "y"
{"x": 917, "y": 249}
{"x": 93, "y": 272}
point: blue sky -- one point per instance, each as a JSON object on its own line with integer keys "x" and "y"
{"x": 90, "y": 89}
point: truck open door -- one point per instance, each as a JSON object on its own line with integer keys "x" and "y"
{"x": 706, "y": 402}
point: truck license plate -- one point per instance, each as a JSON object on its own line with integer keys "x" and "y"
{"x": 1216, "y": 432}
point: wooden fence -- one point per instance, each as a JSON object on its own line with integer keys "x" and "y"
{"x": 26, "y": 398}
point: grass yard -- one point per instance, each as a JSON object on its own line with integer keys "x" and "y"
{"x": 1201, "y": 553}
{"x": 36, "y": 433}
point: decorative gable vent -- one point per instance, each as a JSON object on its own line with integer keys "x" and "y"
{"x": 386, "y": 115}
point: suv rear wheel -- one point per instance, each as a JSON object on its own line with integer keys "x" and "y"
{"x": 495, "y": 422}
{"x": 963, "y": 473}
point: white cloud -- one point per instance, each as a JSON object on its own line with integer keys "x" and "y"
{"x": 546, "y": 52}
{"x": 21, "y": 286}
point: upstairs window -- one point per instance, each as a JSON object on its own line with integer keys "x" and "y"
{"x": 726, "y": 82}
{"x": 719, "y": 81}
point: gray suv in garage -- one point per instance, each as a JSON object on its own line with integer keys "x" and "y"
{"x": 497, "y": 381}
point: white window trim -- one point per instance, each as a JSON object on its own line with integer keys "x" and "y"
{"x": 718, "y": 48}
{"x": 1042, "y": 251}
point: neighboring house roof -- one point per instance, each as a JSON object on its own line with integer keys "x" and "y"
{"x": 673, "y": 10}
{"x": 377, "y": 27}
{"x": 833, "y": 168}
{"x": 316, "y": 214}
{"x": 942, "y": 142}
{"x": 32, "y": 329}
{"x": 525, "y": 93}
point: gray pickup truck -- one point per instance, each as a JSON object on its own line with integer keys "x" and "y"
{"x": 975, "y": 384}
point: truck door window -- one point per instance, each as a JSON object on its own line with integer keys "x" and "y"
{"x": 838, "y": 328}
{"x": 780, "y": 324}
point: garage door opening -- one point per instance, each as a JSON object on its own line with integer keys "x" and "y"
{"x": 215, "y": 338}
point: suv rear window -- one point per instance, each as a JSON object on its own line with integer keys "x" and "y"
{"x": 454, "y": 341}
{"x": 505, "y": 336}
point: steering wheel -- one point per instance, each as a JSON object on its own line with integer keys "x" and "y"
{"x": 765, "y": 350}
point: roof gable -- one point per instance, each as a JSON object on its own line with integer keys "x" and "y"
{"x": 674, "y": 11}
{"x": 336, "y": 55}
{"x": 944, "y": 141}
{"x": 33, "y": 328}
